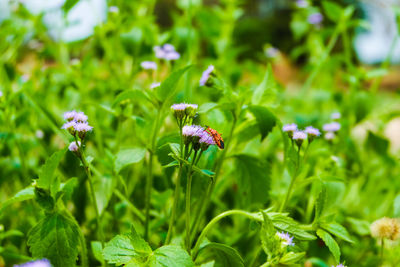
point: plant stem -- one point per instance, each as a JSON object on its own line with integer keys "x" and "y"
{"x": 214, "y": 221}
{"x": 92, "y": 193}
{"x": 291, "y": 183}
{"x": 135, "y": 210}
{"x": 187, "y": 209}
{"x": 382, "y": 248}
{"x": 149, "y": 180}
{"x": 207, "y": 196}
{"x": 176, "y": 194}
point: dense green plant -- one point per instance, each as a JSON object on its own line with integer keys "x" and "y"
{"x": 185, "y": 167}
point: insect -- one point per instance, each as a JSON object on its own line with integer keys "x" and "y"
{"x": 216, "y": 136}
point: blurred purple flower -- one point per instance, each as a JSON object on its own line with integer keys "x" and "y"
{"x": 331, "y": 127}
{"x": 166, "y": 52}
{"x": 301, "y": 3}
{"x": 83, "y": 127}
{"x": 70, "y": 125}
{"x": 329, "y": 136}
{"x": 113, "y": 9}
{"x": 148, "y": 65}
{"x": 37, "y": 263}
{"x": 80, "y": 117}
{"x": 70, "y": 115}
{"x": 206, "y": 75}
{"x": 299, "y": 135}
{"x": 272, "y": 52}
{"x": 154, "y": 85}
{"x": 289, "y": 127}
{"x": 312, "y": 131}
{"x": 286, "y": 238}
{"x": 73, "y": 147}
{"x": 335, "y": 116}
{"x": 315, "y": 18}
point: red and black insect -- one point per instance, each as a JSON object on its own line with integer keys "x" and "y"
{"x": 216, "y": 136}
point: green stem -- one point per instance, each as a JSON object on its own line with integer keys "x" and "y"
{"x": 135, "y": 210}
{"x": 176, "y": 194}
{"x": 187, "y": 209}
{"x": 149, "y": 180}
{"x": 287, "y": 197}
{"x": 382, "y": 248}
{"x": 207, "y": 196}
{"x": 92, "y": 193}
{"x": 214, "y": 221}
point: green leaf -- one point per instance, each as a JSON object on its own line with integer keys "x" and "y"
{"x": 265, "y": 119}
{"x": 170, "y": 255}
{"x": 46, "y": 174}
{"x": 24, "y": 194}
{"x": 268, "y": 232}
{"x": 332, "y": 10}
{"x": 330, "y": 243}
{"x": 206, "y": 107}
{"x": 222, "y": 254}
{"x": 320, "y": 203}
{"x": 128, "y": 156}
{"x": 377, "y": 143}
{"x": 361, "y": 227}
{"x": 69, "y": 4}
{"x": 396, "y": 206}
{"x": 292, "y": 257}
{"x": 103, "y": 189}
{"x": 282, "y": 222}
{"x": 266, "y": 91}
{"x": 97, "y": 250}
{"x": 253, "y": 177}
{"x": 337, "y": 230}
{"x": 68, "y": 188}
{"x": 127, "y": 95}
{"x": 55, "y": 237}
{"x": 122, "y": 248}
{"x": 168, "y": 86}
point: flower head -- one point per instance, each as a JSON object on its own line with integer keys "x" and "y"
{"x": 206, "y": 75}
{"x": 148, "y": 65}
{"x": 286, "y": 239}
{"x": 315, "y": 18}
{"x": 167, "y": 52}
{"x": 154, "y": 85}
{"x": 70, "y": 115}
{"x": 301, "y": 3}
{"x": 272, "y": 52}
{"x": 329, "y": 136}
{"x": 37, "y": 263}
{"x": 386, "y": 228}
{"x": 206, "y": 140}
{"x": 299, "y": 135}
{"x": 311, "y": 131}
{"x": 331, "y": 127}
{"x": 335, "y": 116}
{"x": 183, "y": 110}
{"x": 69, "y": 126}
{"x": 289, "y": 127}
{"x": 80, "y": 117}
{"x": 73, "y": 147}
{"x": 340, "y": 265}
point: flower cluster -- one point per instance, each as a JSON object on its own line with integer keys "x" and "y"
{"x": 315, "y": 19}
{"x": 206, "y": 75}
{"x": 386, "y": 228}
{"x": 184, "y": 112}
{"x": 301, "y": 3}
{"x": 197, "y": 136}
{"x": 37, "y": 263}
{"x": 299, "y": 136}
{"x": 148, "y": 65}
{"x": 76, "y": 125}
{"x": 286, "y": 239}
{"x": 331, "y": 128}
{"x": 167, "y": 52}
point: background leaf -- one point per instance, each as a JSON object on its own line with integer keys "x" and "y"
{"x": 222, "y": 255}
{"x": 128, "y": 156}
{"x": 330, "y": 243}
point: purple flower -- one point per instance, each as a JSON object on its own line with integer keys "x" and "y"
{"x": 329, "y": 136}
{"x": 113, "y": 9}
{"x": 340, "y": 265}
{"x": 207, "y": 139}
{"x": 166, "y": 52}
{"x": 206, "y": 75}
{"x": 148, "y": 65}
{"x": 289, "y": 127}
{"x": 287, "y": 240}
{"x": 315, "y": 18}
{"x": 73, "y": 147}
{"x": 335, "y": 116}
{"x": 301, "y": 3}
{"x": 70, "y": 125}
{"x": 154, "y": 85}
{"x": 312, "y": 131}
{"x": 83, "y": 127}
{"x": 1, "y": 93}
{"x": 192, "y": 131}
{"x": 37, "y": 263}
{"x": 331, "y": 127}
{"x": 299, "y": 135}
{"x": 70, "y": 115}
{"x": 184, "y": 110}
{"x": 81, "y": 117}
{"x": 272, "y": 52}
